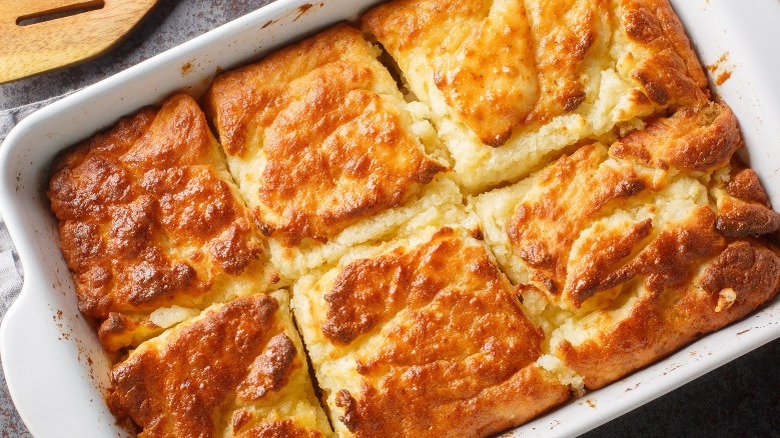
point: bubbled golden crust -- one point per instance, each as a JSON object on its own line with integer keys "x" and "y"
{"x": 189, "y": 382}
{"x": 543, "y": 229}
{"x": 149, "y": 218}
{"x": 546, "y": 230}
{"x": 515, "y": 64}
{"x": 498, "y": 71}
{"x": 693, "y": 139}
{"x": 743, "y": 206}
{"x": 672, "y": 75}
{"x": 665, "y": 223}
{"x": 317, "y": 138}
{"x": 666, "y": 317}
{"x": 453, "y": 352}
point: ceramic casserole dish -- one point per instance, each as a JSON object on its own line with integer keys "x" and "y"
{"x": 54, "y": 365}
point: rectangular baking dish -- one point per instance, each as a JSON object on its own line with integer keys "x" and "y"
{"x": 53, "y": 364}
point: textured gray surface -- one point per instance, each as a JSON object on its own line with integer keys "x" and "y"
{"x": 739, "y": 399}
{"x": 170, "y": 23}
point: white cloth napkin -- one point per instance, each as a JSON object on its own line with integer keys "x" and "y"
{"x": 11, "y": 275}
{"x": 10, "y": 285}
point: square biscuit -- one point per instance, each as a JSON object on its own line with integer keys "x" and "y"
{"x": 435, "y": 202}
{"x": 651, "y": 321}
{"x": 423, "y": 336}
{"x": 152, "y": 226}
{"x": 319, "y": 139}
{"x": 520, "y": 81}
{"x": 624, "y": 253}
{"x": 236, "y": 370}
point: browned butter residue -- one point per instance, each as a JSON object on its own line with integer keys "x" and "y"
{"x": 268, "y": 23}
{"x": 719, "y": 70}
{"x": 303, "y": 9}
{"x": 723, "y": 77}
{"x": 186, "y": 68}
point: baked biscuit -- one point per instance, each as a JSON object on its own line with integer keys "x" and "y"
{"x": 636, "y": 231}
{"x": 626, "y": 253}
{"x": 521, "y": 81}
{"x": 151, "y": 225}
{"x": 236, "y": 370}
{"x": 423, "y": 337}
{"x": 318, "y": 138}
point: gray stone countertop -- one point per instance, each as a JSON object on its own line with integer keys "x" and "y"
{"x": 741, "y": 398}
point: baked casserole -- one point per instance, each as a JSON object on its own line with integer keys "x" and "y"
{"x": 445, "y": 219}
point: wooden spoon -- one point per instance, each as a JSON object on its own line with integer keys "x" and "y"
{"x": 41, "y": 35}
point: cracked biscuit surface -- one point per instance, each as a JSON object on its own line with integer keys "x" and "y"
{"x": 236, "y": 370}
{"x": 152, "y": 226}
{"x": 628, "y": 252}
{"x": 522, "y": 80}
{"x": 318, "y": 138}
{"x": 425, "y": 337}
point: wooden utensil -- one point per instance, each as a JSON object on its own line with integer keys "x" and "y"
{"x": 41, "y": 35}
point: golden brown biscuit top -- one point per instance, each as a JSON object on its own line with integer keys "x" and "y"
{"x": 515, "y": 63}
{"x": 320, "y": 127}
{"x": 693, "y": 139}
{"x": 451, "y": 333}
{"x": 672, "y": 75}
{"x": 486, "y": 69}
{"x": 184, "y": 384}
{"x": 147, "y": 215}
{"x": 660, "y": 323}
{"x": 279, "y": 429}
{"x": 743, "y": 205}
{"x": 575, "y": 192}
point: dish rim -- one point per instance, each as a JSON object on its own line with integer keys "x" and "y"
{"x": 578, "y": 416}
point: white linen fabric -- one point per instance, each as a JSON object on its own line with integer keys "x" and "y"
{"x": 11, "y": 275}
{"x": 171, "y": 22}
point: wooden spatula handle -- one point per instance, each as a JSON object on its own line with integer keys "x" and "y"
{"x": 28, "y": 47}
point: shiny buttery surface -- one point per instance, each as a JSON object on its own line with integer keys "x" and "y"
{"x": 233, "y": 371}
{"x": 749, "y": 338}
{"x": 427, "y": 340}
{"x": 316, "y": 136}
{"x": 149, "y": 218}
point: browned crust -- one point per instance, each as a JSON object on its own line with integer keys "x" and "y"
{"x": 601, "y": 257}
{"x": 174, "y": 387}
{"x": 669, "y": 260}
{"x": 118, "y": 331}
{"x": 744, "y": 209}
{"x": 271, "y": 370}
{"x": 146, "y": 220}
{"x": 744, "y": 184}
{"x": 664, "y": 320}
{"x": 335, "y": 149}
{"x": 516, "y": 66}
{"x": 543, "y": 229}
{"x": 536, "y": 63}
{"x": 526, "y": 394}
{"x": 240, "y": 419}
{"x": 672, "y": 299}
{"x": 693, "y": 139}
{"x": 461, "y": 358}
{"x": 279, "y": 429}
{"x": 672, "y": 76}
{"x": 737, "y": 219}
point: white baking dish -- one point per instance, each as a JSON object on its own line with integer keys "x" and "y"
{"x": 51, "y": 357}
